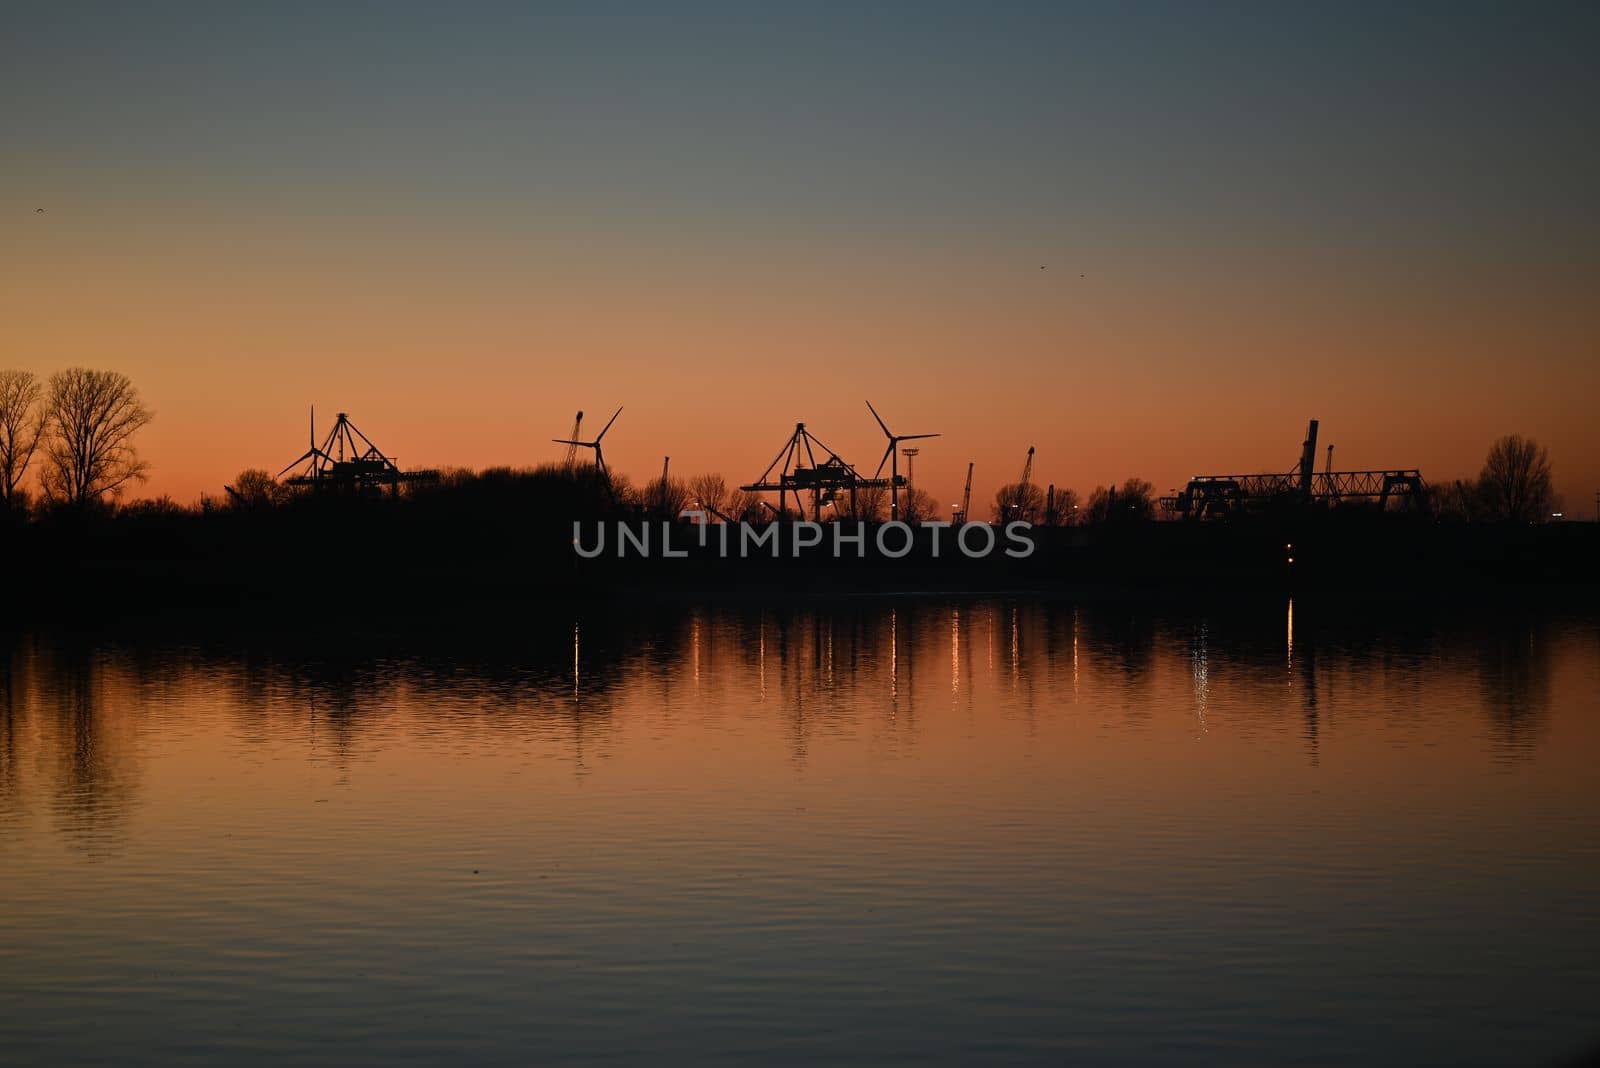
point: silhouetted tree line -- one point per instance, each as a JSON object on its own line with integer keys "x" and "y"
{"x": 1515, "y": 486}
{"x": 1051, "y": 506}
{"x": 77, "y": 430}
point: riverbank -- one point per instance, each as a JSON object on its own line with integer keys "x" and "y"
{"x": 394, "y": 558}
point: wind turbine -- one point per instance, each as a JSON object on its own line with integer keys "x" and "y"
{"x": 891, "y": 456}
{"x": 314, "y": 454}
{"x": 599, "y": 457}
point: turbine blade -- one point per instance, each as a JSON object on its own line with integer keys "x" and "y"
{"x": 297, "y": 463}
{"x": 879, "y": 418}
{"x": 613, "y": 419}
{"x": 914, "y": 437}
{"x": 886, "y": 454}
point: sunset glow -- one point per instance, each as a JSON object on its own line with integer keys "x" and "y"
{"x": 1098, "y": 231}
{"x": 1032, "y": 533}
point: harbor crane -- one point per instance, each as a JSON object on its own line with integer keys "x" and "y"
{"x": 966, "y": 497}
{"x": 348, "y": 461}
{"x": 573, "y": 443}
{"x": 571, "y": 459}
{"x": 797, "y": 470}
{"x": 1211, "y": 496}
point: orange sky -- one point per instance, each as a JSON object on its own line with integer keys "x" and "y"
{"x": 461, "y": 231}
{"x": 453, "y": 348}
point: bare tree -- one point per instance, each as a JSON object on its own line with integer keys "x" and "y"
{"x": 1137, "y": 499}
{"x": 1060, "y": 510}
{"x": 1515, "y": 483}
{"x": 745, "y": 507}
{"x": 872, "y": 503}
{"x": 623, "y": 491}
{"x": 256, "y": 488}
{"x": 22, "y": 420}
{"x": 666, "y": 498}
{"x": 1018, "y": 501}
{"x": 709, "y": 492}
{"x": 918, "y": 506}
{"x": 155, "y": 507}
{"x": 868, "y": 504}
{"x": 1456, "y": 501}
{"x": 88, "y": 445}
{"x": 1134, "y": 500}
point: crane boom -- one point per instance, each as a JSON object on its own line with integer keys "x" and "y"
{"x": 1027, "y": 468}
{"x": 1308, "y": 460}
{"x": 966, "y": 494}
{"x": 572, "y": 442}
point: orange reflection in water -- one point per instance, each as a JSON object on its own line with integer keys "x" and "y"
{"x": 757, "y": 773}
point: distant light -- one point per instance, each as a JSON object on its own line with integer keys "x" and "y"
{"x": 1556, "y": 515}
{"x": 1291, "y": 559}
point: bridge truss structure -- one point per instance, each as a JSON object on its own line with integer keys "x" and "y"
{"x": 1214, "y": 496}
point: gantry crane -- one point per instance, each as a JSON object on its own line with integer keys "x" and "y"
{"x": 1207, "y": 496}
{"x": 797, "y": 470}
{"x": 348, "y": 461}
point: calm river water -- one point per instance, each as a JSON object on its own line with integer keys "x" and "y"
{"x": 912, "y": 830}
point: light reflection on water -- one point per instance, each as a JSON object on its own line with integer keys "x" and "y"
{"x": 910, "y": 830}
